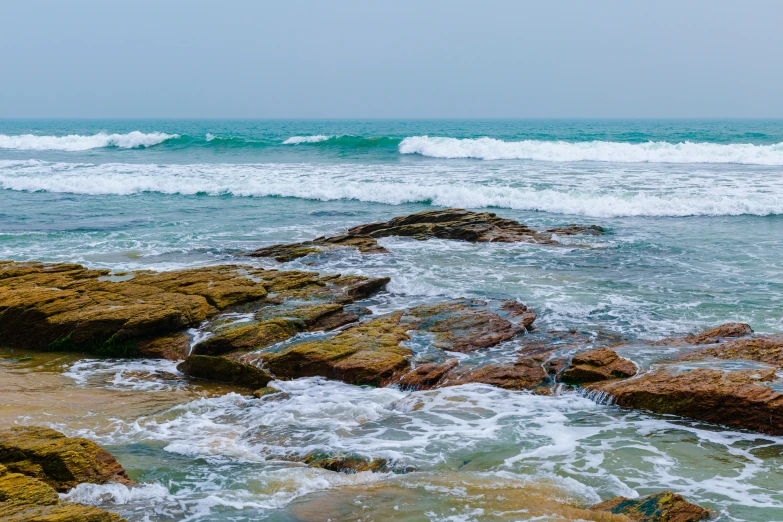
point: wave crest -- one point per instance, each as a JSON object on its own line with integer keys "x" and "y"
{"x": 606, "y": 151}
{"x": 296, "y": 140}
{"x": 78, "y": 142}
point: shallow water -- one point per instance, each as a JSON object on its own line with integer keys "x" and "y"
{"x": 695, "y": 239}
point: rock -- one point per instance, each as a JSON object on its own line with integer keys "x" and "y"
{"x": 221, "y": 369}
{"x": 597, "y": 365}
{"x": 69, "y": 307}
{"x": 275, "y": 324}
{"x": 26, "y": 499}
{"x": 263, "y": 392}
{"x": 767, "y": 350}
{"x": 574, "y": 229}
{"x": 425, "y": 376}
{"x": 526, "y": 373}
{"x": 59, "y": 461}
{"x": 524, "y": 315}
{"x": 290, "y": 252}
{"x": 712, "y": 336}
{"x": 173, "y": 347}
{"x": 345, "y": 462}
{"x": 736, "y": 399}
{"x": 663, "y": 507}
{"x": 452, "y": 223}
{"x": 39, "y": 459}
{"x": 367, "y": 353}
{"x": 461, "y": 325}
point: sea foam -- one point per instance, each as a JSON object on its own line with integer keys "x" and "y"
{"x": 296, "y": 140}
{"x": 77, "y": 142}
{"x": 610, "y": 192}
{"x": 650, "y": 152}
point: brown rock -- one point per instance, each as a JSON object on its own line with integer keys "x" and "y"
{"x": 425, "y": 376}
{"x": 574, "y": 229}
{"x": 524, "y": 315}
{"x": 597, "y": 365}
{"x": 173, "y": 347}
{"x": 59, "y": 461}
{"x": 461, "y": 325}
{"x": 526, "y": 373}
{"x": 714, "y": 335}
{"x": 735, "y": 399}
{"x": 767, "y": 350}
{"x": 221, "y": 369}
{"x": 663, "y": 507}
{"x": 452, "y": 223}
{"x": 367, "y": 353}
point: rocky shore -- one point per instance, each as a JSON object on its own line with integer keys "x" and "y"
{"x": 249, "y": 326}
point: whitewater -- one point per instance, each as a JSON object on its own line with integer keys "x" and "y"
{"x": 611, "y": 191}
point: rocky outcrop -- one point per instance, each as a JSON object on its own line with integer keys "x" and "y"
{"x": 368, "y": 353}
{"x": 372, "y": 352}
{"x": 662, "y": 507}
{"x": 573, "y": 229}
{"x": 462, "y": 325}
{"x": 69, "y": 307}
{"x": 597, "y": 365}
{"x": 737, "y": 399}
{"x": 711, "y": 336}
{"x": 768, "y": 350}
{"x": 221, "y": 369}
{"x": 59, "y": 461}
{"x": 39, "y": 462}
{"x": 452, "y": 223}
{"x": 526, "y": 373}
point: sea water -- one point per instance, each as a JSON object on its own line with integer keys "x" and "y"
{"x": 694, "y": 218}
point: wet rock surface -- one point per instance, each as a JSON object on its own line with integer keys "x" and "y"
{"x": 39, "y": 462}
{"x": 662, "y": 507}
{"x": 737, "y": 399}
{"x": 597, "y": 365}
{"x": 221, "y": 369}
{"x": 62, "y": 307}
{"x": 59, "y": 461}
{"x": 453, "y": 223}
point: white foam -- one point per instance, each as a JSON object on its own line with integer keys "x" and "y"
{"x": 650, "y": 152}
{"x": 604, "y": 192}
{"x": 97, "y": 494}
{"x": 77, "y": 142}
{"x": 296, "y": 140}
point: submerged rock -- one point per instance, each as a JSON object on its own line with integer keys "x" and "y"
{"x": 574, "y": 229}
{"x": 451, "y": 223}
{"x": 39, "y": 462}
{"x": 597, "y": 365}
{"x": 221, "y": 369}
{"x": 662, "y": 507}
{"x": 712, "y": 336}
{"x": 737, "y": 399}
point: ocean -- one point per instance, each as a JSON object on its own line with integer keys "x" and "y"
{"x": 694, "y": 218}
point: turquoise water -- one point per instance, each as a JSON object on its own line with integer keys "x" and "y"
{"x": 694, "y": 213}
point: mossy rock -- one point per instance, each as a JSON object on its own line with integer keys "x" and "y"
{"x": 221, "y": 369}
{"x": 662, "y": 507}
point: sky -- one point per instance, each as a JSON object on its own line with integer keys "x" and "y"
{"x": 394, "y": 59}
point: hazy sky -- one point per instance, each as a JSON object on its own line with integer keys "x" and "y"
{"x": 406, "y": 59}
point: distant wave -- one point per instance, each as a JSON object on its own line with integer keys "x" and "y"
{"x": 608, "y": 193}
{"x": 650, "y": 152}
{"x": 296, "y": 140}
{"x": 77, "y": 142}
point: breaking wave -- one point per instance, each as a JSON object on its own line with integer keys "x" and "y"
{"x": 78, "y": 142}
{"x": 607, "y": 151}
{"x": 604, "y": 193}
{"x": 296, "y": 140}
